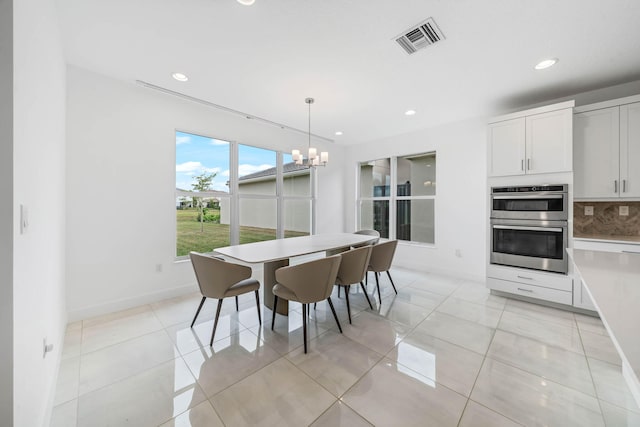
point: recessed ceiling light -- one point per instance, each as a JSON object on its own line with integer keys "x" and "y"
{"x": 546, "y": 63}
{"x": 338, "y": 133}
{"x": 410, "y": 112}
{"x": 246, "y": 2}
{"x": 180, "y": 77}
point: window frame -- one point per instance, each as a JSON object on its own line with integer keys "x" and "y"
{"x": 393, "y": 197}
{"x": 234, "y": 195}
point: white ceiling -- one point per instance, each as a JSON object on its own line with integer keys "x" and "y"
{"x": 267, "y": 58}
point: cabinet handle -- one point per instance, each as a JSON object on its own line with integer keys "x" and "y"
{"x": 522, "y": 164}
{"x": 624, "y": 185}
{"x": 525, "y": 290}
{"x": 630, "y": 252}
{"x": 529, "y": 164}
{"x": 524, "y": 277}
{"x": 615, "y": 186}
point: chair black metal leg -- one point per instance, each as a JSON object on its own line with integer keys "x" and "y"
{"x": 275, "y": 305}
{"x": 215, "y": 322}
{"x": 198, "y": 312}
{"x": 346, "y": 294}
{"x": 237, "y": 309}
{"x": 392, "y": 284}
{"x": 366, "y": 295}
{"x": 258, "y": 306}
{"x": 335, "y": 316}
{"x": 314, "y": 305}
{"x": 375, "y": 273}
{"x": 338, "y": 291}
{"x": 304, "y": 325}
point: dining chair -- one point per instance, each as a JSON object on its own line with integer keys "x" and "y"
{"x": 353, "y": 268}
{"x": 220, "y": 279}
{"x": 381, "y": 258}
{"x": 306, "y": 283}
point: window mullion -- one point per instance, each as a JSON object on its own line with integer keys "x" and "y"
{"x": 234, "y": 225}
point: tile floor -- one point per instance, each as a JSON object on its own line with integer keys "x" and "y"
{"x": 443, "y": 352}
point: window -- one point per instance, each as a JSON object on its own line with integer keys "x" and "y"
{"x": 219, "y": 202}
{"x": 202, "y": 193}
{"x": 408, "y": 185}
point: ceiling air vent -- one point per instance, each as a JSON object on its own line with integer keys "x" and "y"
{"x": 420, "y": 36}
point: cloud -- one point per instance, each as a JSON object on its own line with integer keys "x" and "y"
{"x": 192, "y": 168}
{"x": 183, "y": 140}
{"x": 218, "y": 142}
{"x": 189, "y": 167}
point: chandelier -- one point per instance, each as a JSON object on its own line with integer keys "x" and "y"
{"x": 313, "y": 159}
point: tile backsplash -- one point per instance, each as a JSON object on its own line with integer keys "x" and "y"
{"x": 606, "y": 219}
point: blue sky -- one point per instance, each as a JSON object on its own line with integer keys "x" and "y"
{"x": 196, "y": 154}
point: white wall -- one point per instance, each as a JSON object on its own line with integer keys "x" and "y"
{"x": 6, "y": 212}
{"x": 121, "y": 184}
{"x": 39, "y": 263}
{"x": 460, "y": 213}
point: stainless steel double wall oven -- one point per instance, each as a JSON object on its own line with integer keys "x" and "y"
{"x": 529, "y": 226}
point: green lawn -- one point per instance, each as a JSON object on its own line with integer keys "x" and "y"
{"x": 190, "y": 238}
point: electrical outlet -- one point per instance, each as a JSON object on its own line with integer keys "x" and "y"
{"x": 624, "y": 210}
{"x": 158, "y": 268}
{"x": 458, "y": 253}
{"x": 588, "y": 210}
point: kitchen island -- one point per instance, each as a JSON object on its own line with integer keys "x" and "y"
{"x": 612, "y": 280}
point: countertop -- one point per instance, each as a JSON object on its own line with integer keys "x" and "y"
{"x": 607, "y": 238}
{"x": 612, "y": 279}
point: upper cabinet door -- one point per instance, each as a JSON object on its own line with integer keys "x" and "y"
{"x": 507, "y": 147}
{"x": 549, "y": 142}
{"x": 630, "y": 150}
{"x": 596, "y": 153}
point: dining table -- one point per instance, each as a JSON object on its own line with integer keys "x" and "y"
{"x": 275, "y": 254}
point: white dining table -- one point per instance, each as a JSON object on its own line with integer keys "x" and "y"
{"x": 274, "y": 254}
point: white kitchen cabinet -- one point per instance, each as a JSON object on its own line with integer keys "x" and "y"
{"x": 540, "y": 285}
{"x": 630, "y": 150}
{"x": 607, "y": 150}
{"x": 596, "y": 153}
{"x": 507, "y": 147}
{"x": 532, "y": 142}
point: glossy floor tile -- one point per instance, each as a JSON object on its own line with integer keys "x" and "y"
{"x": 149, "y": 398}
{"x": 448, "y": 364}
{"x": 533, "y": 400}
{"x": 478, "y": 313}
{"x": 444, "y": 351}
{"x": 277, "y": 395}
{"x": 470, "y": 335}
{"x": 334, "y": 361}
{"x": 393, "y": 395}
{"x": 555, "y": 363}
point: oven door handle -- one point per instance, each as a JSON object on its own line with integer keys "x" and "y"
{"x": 542, "y": 197}
{"x": 519, "y": 227}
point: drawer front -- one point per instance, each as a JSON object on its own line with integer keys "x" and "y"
{"x": 531, "y": 291}
{"x": 547, "y": 280}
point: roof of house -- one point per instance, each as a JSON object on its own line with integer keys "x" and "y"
{"x": 286, "y": 168}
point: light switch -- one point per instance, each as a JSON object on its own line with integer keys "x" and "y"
{"x": 624, "y": 210}
{"x": 588, "y": 210}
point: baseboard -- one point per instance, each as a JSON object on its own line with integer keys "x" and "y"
{"x": 125, "y": 303}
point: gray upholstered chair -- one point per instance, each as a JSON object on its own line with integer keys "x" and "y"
{"x": 353, "y": 268}
{"x": 381, "y": 258}
{"x": 220, "y": 279}
{"x": 306, "y": 283}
